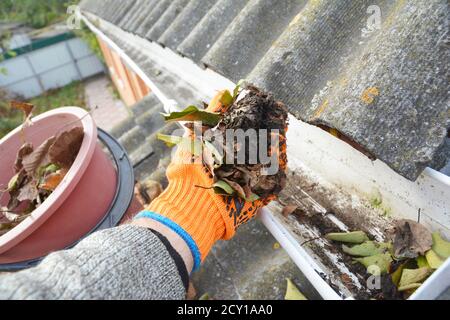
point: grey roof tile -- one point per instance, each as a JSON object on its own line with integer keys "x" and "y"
{"x": 131, "y": 13}
{"x": 132, "y": 139}
{"x": 170, "y": 84}
{"x": 146, "y": 8}
{"x": 152, "y": 120}
{"x": 386, "y": 90}
{"x": 111, "y": 10}
{"x": 185, "y": 22}
{"x": 122, "y": 127}
{"x": 407, "y": 121}
{"x": 166, "y": 19}
{"x": 121, "y": 11}
{"x": 209, "y": 29}
{"x": 250, "y": 34}
{"x": 160, "y": 151}
{"x": 152, "y": 16}
{"x": 146, "y": 104}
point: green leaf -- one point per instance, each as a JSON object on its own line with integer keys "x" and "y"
{"x": 192, "y": 113}
{"x": 192, "y": 145}
{"x": 237, "y": 88}
{"x": 434, "y": 261}
{"x": 223, "y": 186}
{"x": 440, "y": 246}
{"x": 226, "y": 99}
{"x": 410, "y": 276}
{"x": 292, "y": 292}
{"x": 422, "y": 262}
{"x": 169, "y": 140}
{"x": 351, "y": 237}
{"x": 13, "y": 183}
{"x": 204, "y": 296}
{"x": 397, "y": 274}
{"x": 366, "y": 249}
{"x": 382, "y": 261}
{"x": 222, "y": 100}
{"x": 51, "y": 168}
{"x": 253, "y": 197}
{"x": 11, "y": 53}
{"x": 236, "y": 187}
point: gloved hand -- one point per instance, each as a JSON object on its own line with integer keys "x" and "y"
{"x": 198, "y": 214}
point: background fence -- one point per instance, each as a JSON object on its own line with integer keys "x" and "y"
{"x": 50, "y": 64}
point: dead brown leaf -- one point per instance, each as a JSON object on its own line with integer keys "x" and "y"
{"x": 28, "y": 192}
{"x": 38, "y": 158}
{"x": 66, "y": 146}
{"x": 191, "y": 292}
{"x": 141, "y": 196}
{"x": 236, "y": 187}
{"x": 410, "y": 239}
{"x": 147, "y": 191}
{"x": 26, "y": 108}
{"x": 25, "y": 150}
{"x": 152, "y": 188}
{"x": 3, "y": 216}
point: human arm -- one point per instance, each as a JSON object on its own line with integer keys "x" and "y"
{"x": 126, "y": 262}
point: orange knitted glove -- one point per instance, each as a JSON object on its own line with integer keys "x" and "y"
{"x": 196, "y": 213}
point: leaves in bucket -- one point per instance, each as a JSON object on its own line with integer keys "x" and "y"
{"x": 25, "y": 150}
{"x": 192, "y": 113}
{"x": 66, "y": 147}
{"x": 52, "y": 180}
{"x": 38, "y": 172}
{"x": 38, "y": 158}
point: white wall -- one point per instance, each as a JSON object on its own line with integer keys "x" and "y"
{"x": 51, "y": 67}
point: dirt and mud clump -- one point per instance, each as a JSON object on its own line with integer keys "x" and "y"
{"x": 256, "y": 110}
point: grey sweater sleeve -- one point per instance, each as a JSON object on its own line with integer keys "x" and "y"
{"x": 126, "y": 262}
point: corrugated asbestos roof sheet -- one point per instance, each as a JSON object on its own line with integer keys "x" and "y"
{"x": 385, "y": 89}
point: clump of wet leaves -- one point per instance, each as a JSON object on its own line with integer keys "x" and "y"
{"x": 404, "y": 263}
{"x": 243, "y": 109}
{"x": 37, "y": 171}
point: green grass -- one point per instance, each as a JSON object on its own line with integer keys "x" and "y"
{"x": 70, "y": 95}
{"x": 35, "y": 13}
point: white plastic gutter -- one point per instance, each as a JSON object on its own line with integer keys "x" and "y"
{"x": 333, "y": 159}
{"x": 300, "y": 257}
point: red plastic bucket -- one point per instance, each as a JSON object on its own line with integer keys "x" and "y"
{"x": 76, "y": 206}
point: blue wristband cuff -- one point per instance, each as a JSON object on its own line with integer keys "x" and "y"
{"x": 179, "y": 230}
